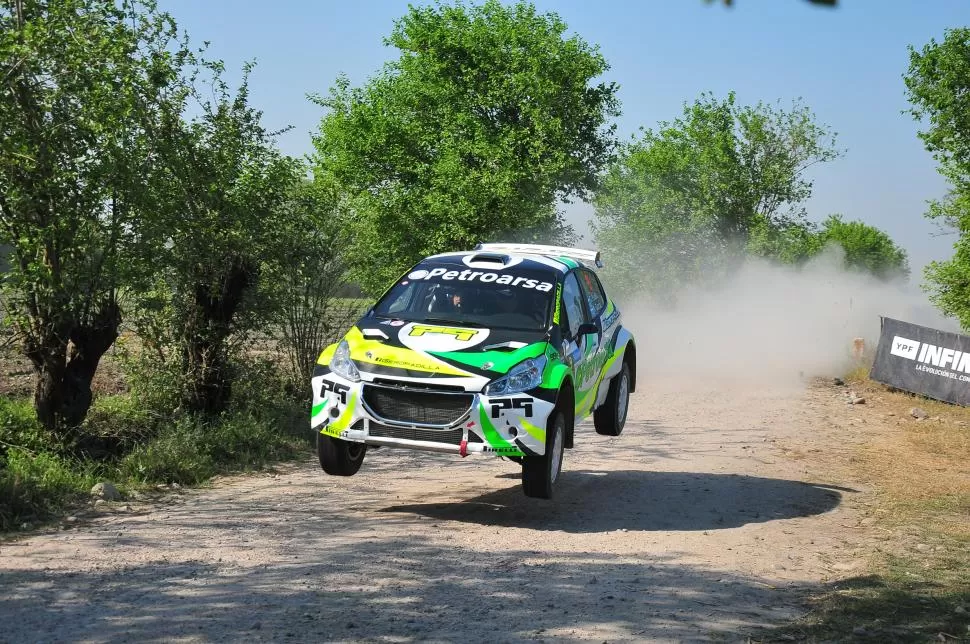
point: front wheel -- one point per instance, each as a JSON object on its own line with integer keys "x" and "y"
{"x": 540, "y": 473}
{"x": 611, "y": 415}
{"x": 340, "y": 457}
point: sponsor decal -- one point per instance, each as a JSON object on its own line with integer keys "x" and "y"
{"x": 611, "y": 318}
{"x": 461, "y": 334}
{"x": 590, "y": 368}
{"x": 336, "y": 388}
{"x": 904, "y": 347}
{"x": 486, "y": 277}
{"x": 928, "y": 354}
{"x": 501, "y": 404}
{"x": 429, "y": 337}
{"x": 399, "y": 363}
{"x": 555, "y": 314}
{"x": 512, "y": 451}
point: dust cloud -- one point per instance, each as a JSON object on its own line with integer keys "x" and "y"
{"x": 772, "y": 325}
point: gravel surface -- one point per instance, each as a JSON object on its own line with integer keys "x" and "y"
{"x": 713, "y": 514}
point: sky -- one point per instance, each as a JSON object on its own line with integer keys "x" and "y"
{"x": 845, "y": 63}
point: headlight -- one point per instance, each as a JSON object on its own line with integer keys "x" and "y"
{"x": 342, "y": 365}
{"x": 522, "y": 377}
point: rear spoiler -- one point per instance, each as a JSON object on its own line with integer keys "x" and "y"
{"x": 589, "y": 257}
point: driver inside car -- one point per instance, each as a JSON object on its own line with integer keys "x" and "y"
{"x": 445, "y": 302}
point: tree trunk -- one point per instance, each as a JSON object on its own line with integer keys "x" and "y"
{"x": 65, "y": 360}
{"x": 49, "y": 357}
{"x": 89, "y": 342}
{"x": 208, "y": 385}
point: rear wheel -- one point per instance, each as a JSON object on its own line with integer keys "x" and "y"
{"x": 339, "y": 457}
{"x": 611, "y": 415}
{"x": 540, "y": 473}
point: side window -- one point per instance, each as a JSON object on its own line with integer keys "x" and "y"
{"x": 595, "y": 298}
{"x": 573, "y": 303}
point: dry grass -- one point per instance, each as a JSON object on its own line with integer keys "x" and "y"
{"x": 920, "y": 467}
{"x": 917, "y": 588}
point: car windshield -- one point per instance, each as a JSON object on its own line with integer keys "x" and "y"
{"x": 510, "y": 298}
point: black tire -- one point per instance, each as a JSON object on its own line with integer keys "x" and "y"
{"x": 540, "y": 473}
{"x": 611, "y": 415}
{"x": 339, "y": 457}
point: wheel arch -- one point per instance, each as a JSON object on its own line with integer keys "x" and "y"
{"x": 566, "y": 403}
{"x": 630, "y": 358}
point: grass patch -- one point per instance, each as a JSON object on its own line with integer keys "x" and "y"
{"x": 34, "y": 486}
{"x": 19, "y": 427}
{"x": 918, "y": 586}
{"x": 921, "y": 467}
{"x": 124, "y": 442}
{"x": 192, "y": 450}
{"x": 879, "y": 608}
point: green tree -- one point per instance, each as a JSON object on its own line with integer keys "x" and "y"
{"x": 85, "y": 87}
{"x": 304, "y": 286}
{"x": 489, "y": 117}
{"x": 684, "y": 200}
{"x": 221, "y": 214}
{"x": 866, "y": 248}
{"x": 789, "y": 243}
{"x": 938, "y": 87}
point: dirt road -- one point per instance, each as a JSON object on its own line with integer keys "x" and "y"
{"x": 712, "y": 514}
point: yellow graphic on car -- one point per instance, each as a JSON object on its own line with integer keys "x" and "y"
{"x": 460, "y": 334}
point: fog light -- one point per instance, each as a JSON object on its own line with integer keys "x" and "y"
{"x": 513, "y": 432}
{"x": 334, "y": 412}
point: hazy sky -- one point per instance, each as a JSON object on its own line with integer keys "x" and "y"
{"x": 845, "y": 63}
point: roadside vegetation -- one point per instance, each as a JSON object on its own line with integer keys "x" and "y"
{"x": 916, "y": 456}
{"x": 723, "y": 182}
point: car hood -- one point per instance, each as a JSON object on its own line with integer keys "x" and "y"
{"x": 432, "y": 354}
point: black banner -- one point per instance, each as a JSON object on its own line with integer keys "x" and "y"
{"x": 924, "y": 361}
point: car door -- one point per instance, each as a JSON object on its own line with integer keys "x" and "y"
{"x": 596, "y": 304}
{"x": 580, "y": 349}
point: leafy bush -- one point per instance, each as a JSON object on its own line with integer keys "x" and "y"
{"x": 115, "y": 425}
{"x": 194, "y": 449}
{"x": 152, "y": 377}
{"x": 35, "y": 485}
{"x": 177, "y": 455}
{"x": 19, "y": 427}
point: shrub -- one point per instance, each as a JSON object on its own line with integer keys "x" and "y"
{"x": 33, "y": 486}
{"x": 177, "y": 455}
{"x": 19, "y": 427}
{"x": 193, "y": 449}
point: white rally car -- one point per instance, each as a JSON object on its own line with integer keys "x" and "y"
{"x": 501, "y": 350}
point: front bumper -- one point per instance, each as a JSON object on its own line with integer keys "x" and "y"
{"x": 398, "y": 416}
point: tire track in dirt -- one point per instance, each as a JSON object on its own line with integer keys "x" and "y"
{"x": 692, "y": 525}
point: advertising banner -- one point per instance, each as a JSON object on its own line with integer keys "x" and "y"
{"x": 923, "y": 361}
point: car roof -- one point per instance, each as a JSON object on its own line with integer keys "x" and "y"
{"x": 485, "y": 260}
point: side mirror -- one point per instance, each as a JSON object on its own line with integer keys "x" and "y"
{"x": 586, "y": 328}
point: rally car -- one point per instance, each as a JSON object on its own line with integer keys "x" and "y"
{"x": 501, "y": 351}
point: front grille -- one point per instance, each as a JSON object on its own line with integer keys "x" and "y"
{"x": 433, "y": 386}
{"x": 417, "y": 407}
{"x": 447, "y": 436}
